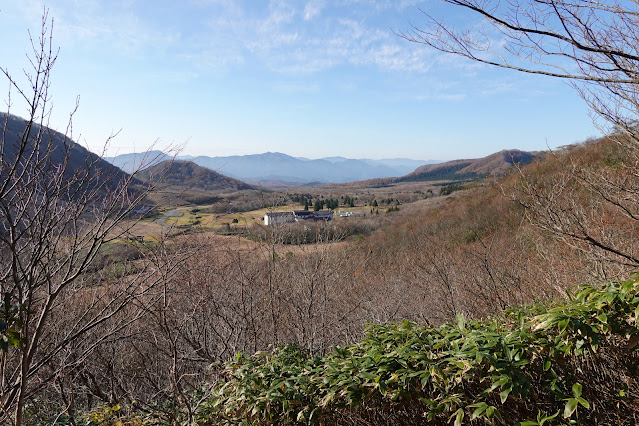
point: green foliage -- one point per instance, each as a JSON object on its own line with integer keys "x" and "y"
{"x": 10, "y": 323}
{"x": 301, "y": 198}
{"x": 449, "y": 172}
{"x": 109, "y": 416}
{"x": 449, "y": 189}
{"x": 498, "y": 371}
{"x": 349, "y": 202}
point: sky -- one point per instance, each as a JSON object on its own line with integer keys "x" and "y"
{"x": 312, "y": 78}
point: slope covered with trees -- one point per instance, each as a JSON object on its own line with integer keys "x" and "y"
{"x": 54, "y": 147}
{"x": 190, "y": 175}
{"x": 491, "y": 165}
{"x": 473, "y": 255}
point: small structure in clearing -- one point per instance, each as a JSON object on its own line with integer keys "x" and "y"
{"x": 278, "y": 218}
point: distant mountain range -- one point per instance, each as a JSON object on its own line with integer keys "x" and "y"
{"x": 135, "y": 162}
{"x": 275, "y": 166}
{"x": 224, "y": 173}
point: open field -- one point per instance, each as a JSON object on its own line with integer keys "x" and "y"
{"x": 197, "y": 215}
{"x": 410, "y": 197}
{"x": 167, "y": 221}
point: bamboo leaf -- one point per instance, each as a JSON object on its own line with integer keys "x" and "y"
{"x": 571, "y": 406}
{"x": 576, "y": 390}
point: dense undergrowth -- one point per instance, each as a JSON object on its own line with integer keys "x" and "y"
{"x": 559, "y": 363}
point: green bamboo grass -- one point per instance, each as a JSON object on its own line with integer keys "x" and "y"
{"x": 560, "y": 363}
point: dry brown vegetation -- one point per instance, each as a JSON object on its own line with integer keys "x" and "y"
{"x": 472, "y": 253}
{"x": 89, "y": 323}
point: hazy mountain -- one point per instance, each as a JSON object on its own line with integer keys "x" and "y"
{"x": 281, "y": 167}
{"x": 401, "y": 166}
{"x": 190, "y": 175}
{"x": 137, "y": 161}
{"x": 275, "y": 166}
{"x": 79, "y": 156}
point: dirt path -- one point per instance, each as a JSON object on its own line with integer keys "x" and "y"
{"x": 170, "y": 213}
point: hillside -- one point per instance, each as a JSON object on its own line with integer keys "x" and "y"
{"x": 499, "y": 162}
{"x": 189, "y": 175}
{"x": 472, "y": 272}
{"x": 530, "y": 366}
{"x": 492, "y": 165}
{"x": 466, "y": 294}
{"x": 79, "y": 157}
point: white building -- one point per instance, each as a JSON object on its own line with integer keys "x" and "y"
{"x": 277, "y": 218}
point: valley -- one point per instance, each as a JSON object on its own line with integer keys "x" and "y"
{"x": 267, "y": 288}
{"x": 185, "y": 261}
{"x": 239, "y": 212}
{"x": 421, "y": 252}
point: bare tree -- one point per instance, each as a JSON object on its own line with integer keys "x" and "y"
{"x": 594, "y": 46}
{"x": 591, "y": 204}
{"x": 59, "y": 206}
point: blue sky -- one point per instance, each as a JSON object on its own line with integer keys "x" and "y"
{"x": 307, "y": 78}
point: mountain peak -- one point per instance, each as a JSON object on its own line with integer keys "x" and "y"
{"x": 189, "y": 174}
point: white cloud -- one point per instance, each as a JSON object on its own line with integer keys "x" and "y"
{"x": 345, "y": 41}
{"x": 312, "y": 9}
{"x": 284, "y": 35}
{"x": 100, "y": 26}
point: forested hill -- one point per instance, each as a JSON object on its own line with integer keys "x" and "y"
{"x": 492, "y": 165}
{"x": 190, "y": 175}
{"x": 79, "y": 157}
{"x": 462, "y": 170}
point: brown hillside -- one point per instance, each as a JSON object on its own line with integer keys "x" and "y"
{"x": 499, "y": 162}
{"x": 492, "y": 165}
{"x": 57, "y": 147}
{"x": 427, "y": 168}
{"x": 190, "y": 175}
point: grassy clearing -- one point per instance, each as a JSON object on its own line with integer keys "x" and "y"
{"x": 197, "y": 215}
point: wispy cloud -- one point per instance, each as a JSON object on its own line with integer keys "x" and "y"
{"x": 290, "y": 38}
{"x": 285, "y": 36}
{"x": 98, "y": 25}
{"x": 383, "y": 5}
{"x": 313, "y": 8}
